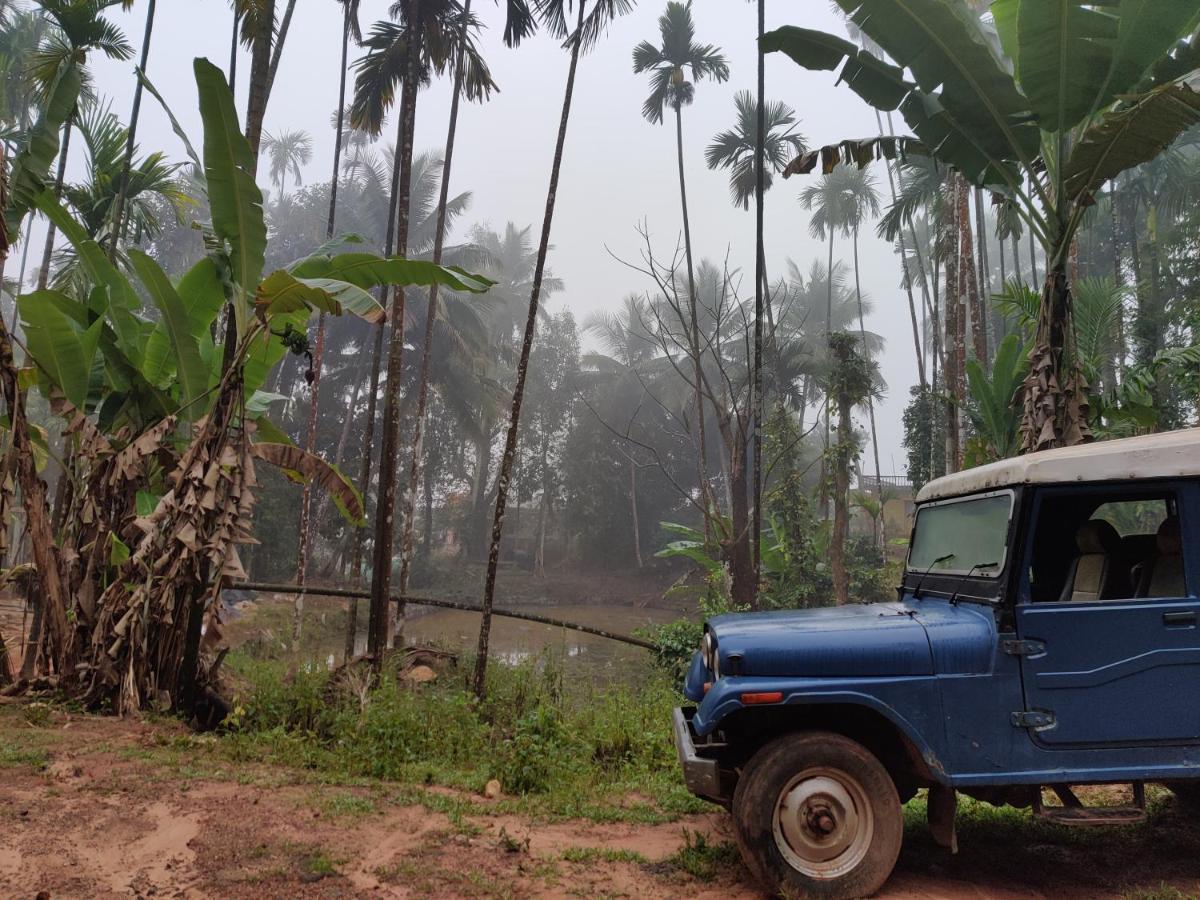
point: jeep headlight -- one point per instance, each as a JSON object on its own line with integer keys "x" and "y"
{"x": 708, "y": 653}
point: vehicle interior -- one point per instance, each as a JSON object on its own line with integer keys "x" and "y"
{"x": 1093, "y": 545}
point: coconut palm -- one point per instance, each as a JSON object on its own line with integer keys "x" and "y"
{"x": 590, "y": 25}
{"x": 734, "y": 149}
{"x": 669, "y": 64}
{"x": 79, "y": 29}
{"x": 289, "y": 152}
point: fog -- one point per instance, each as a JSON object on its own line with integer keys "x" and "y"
{"x": 618, "y": 169}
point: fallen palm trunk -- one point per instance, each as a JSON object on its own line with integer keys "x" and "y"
{"x": 265, "y": 587}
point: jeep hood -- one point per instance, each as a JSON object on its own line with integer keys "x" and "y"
{"x": 856, "y": 641}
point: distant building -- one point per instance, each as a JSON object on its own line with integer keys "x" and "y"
{"x": 896, "y": 494}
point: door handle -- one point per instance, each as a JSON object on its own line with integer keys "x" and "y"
{"x": 1175, "y": 619}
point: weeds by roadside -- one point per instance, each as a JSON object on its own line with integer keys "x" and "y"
{"x": 559, "y": 749}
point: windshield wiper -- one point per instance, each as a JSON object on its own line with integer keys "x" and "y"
{"x": 963, "y": 580}
{"x": 925, "y": 574}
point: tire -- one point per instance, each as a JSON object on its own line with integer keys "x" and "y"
{"x": 1187, "y": 793}
{"x": 845, "y": 842}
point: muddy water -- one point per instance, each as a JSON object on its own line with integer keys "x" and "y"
{"x": 515, "y": 640}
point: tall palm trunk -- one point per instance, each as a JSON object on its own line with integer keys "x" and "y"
{"x": 823, "y": 496}
{"x": 862, "y": 334}
{"x": 439, "y": 239}
{"x": 759, "y": 289}
{"x": 633, "y": 511}
{"x": 260, "y": 71}
{"x": 912, "y": 306}
{"x": 381, "y": 573}
{"x": 841, "y": 491}
{"x": 233, "y": 51}
{"x": 967, "y": 271}
{"x": 694, "y": 336}
{"x": 952, "y": 314}
{"x": 310, "y": 440}
{"x": 364, "y": 487}
{"x": 123, "y": 190}
{"x": 51, "y": 231}
{"x": 341, "y": 124}
{"x": 510, "y": 442}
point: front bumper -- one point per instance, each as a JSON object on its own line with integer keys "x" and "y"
{"x": 702, "y": 776}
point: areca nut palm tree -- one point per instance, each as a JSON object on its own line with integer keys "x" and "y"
{"x": 734, "y": 149}
{"x": 669, "y": 64}
{"x": 423, "y": 40}
{"x": 591, "y": 23}
{"x": 1044, "y": 105}
{"x": 480, "y": 85}
{"x": 80, "y": 29}
{"x": 118, "y": 219}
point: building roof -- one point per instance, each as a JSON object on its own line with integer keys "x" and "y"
{"x": 1173, "y": 454}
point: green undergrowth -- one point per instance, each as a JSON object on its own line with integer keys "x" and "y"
{"x": 560, "y": 748}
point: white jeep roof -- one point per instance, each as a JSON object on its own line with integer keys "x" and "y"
{"x": 1173, "y": 454}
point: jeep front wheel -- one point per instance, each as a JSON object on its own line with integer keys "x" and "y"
{"x": 818, "y": 815}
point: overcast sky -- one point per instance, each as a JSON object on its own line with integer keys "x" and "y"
{"x": 618, "y": 169}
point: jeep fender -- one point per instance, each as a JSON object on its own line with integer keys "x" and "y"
{"x": 818, "y": 704}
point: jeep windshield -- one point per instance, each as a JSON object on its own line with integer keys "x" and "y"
{"x": 965, "y": 536}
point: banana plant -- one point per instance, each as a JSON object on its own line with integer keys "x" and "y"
{"x": 165, "y": 422}
{"x": 1043, "y": 105}
{"x": 107, "y": 358}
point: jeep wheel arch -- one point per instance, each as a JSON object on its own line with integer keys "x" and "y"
{"x": 749, "y": 729}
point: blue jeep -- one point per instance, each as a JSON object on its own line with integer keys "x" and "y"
{"x": 1044, "y": 636}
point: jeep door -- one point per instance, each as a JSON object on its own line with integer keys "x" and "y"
{"x": 1107, "y": 615}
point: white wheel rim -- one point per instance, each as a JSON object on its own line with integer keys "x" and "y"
{"x": 823, "y": 824}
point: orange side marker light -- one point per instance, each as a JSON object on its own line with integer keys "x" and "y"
{"x": 762, "y": 697}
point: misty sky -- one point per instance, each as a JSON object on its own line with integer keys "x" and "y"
{"x": 618, "y": 169}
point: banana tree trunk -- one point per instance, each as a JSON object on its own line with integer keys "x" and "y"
{"x": 1055, "y": 410}
{"x": 510, "y": 444}
{"x": 418, "y": 432}
{"x": 51, "y": 231}
{"x": 131, "y": 136}
{"x": 381, "y": 574}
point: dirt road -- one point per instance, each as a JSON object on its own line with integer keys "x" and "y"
{"x": 93, "y": 807}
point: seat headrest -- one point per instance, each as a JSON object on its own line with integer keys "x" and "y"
{"x": 1097, "y": 536}
{"x": 1170, "y": 542}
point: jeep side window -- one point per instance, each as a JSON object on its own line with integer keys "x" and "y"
{"x": 1091, "y": 545}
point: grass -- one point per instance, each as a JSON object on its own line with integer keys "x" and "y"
{"x": 703, "y": 859}
{"x": 590, "y": 855}
{"x": 559, "y": 748}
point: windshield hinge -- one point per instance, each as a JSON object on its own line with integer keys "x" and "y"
{"x": 1023, "y": 648}
{"x": 1033, "y": 718}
